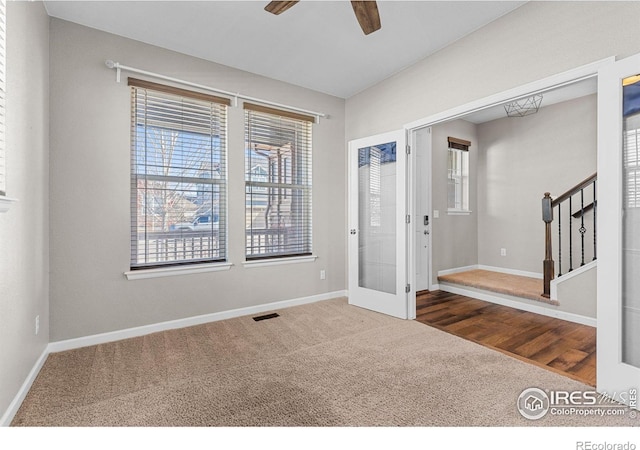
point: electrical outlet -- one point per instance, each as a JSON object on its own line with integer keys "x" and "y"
{"x": 503, "y": 252}
{"x": 323, "y": 274}
{"x": 436, "y": 214}
{"x": 37, "y": 325}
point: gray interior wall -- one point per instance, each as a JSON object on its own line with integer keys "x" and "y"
{"x": 535, "y": 41}
{"x": 519, "y": 160}
{"x": 454, "y": 237}
{"x": 90, "y": 213}
{"x": 24, "y": 229}
{"x": 578, "y": 294}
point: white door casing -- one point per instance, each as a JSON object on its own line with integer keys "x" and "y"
{"x": 421, "y": 151}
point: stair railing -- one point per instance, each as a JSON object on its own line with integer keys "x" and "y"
{"x": 548, "y": 206}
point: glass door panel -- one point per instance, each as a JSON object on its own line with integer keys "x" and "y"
{"x": 377, "y": 212}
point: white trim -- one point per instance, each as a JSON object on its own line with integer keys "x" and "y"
{"x": 457, "y": 270}
{"x": 11, "y": 411}
{"x": 434, "y": 287}
{"x": 543, "y": 310}
{"x": 176, "y": 270}
{"x": 411, "y": 254}
{"x": 567, "y": 276}
{"x": 458, "y": 212}
{"x": 426, "y": 153}
{"x": 555, "y": 81}
{"x": 111, "y": 336}
{"x": 522, "y": 273}
{"x": 278, "y": 261}
{"x": 5, "y": 203}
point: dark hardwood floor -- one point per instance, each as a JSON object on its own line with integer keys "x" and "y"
{"x": 563, "y": 347}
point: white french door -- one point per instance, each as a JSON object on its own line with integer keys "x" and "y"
{"x": 618, "y": 338}
{"x": 378, "y": 224}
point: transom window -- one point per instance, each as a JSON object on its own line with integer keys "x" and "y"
{"x": 178, "y": 176}
{"x": 277, "y": 183}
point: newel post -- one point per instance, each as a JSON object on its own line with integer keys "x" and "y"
{"x": 548, "y": 269}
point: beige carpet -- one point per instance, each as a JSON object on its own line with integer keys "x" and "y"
{"x": 323, "y": 364}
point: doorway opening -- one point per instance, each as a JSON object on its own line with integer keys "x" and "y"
{"x": 512, "y": 163}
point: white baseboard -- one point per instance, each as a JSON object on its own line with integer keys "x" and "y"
{"x": 11, "y": 411}
{"x": 111, "y": 336}
{"x": 522, "y": 273}
{"x": 457, "y": 270}
{"x": 549, "y": 311}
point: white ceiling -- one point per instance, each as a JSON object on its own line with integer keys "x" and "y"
{"x": 316, "y": 44}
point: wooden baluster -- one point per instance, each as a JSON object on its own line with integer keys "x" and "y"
{"x": 548, "y": 270}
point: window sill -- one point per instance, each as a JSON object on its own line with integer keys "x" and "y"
{"x": 5, "y": 203}
{"x": 278, "y": 261}
{"x": 177, "y": 270}
{"x": 458, "y": 212}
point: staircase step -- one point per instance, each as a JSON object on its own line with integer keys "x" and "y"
{"x": 502, "y": 283}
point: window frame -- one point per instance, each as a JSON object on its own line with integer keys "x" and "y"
{"x": 259, "y": 117}
{"x": 172, "y": 110}
{"x": 458, "y": 176}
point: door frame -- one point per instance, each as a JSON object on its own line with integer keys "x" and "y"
{"x": 526, "y": 90}
{"x": 413, "y": 187}
{"x": 613, "y": 375}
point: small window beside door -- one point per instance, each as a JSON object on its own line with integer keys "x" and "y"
{"x": 458, "y": 176}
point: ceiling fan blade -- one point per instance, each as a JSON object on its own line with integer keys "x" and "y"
{"x": 367, "y": 15}
{"x": 279, "y": 7}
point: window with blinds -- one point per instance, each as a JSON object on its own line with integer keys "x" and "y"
{"x": 631, "y": 143}
{"x": 3, "y": 82}
{"x": 631, "y": 162}
{"x": 178, "y": 176}
{"x": 277, "y": 183}
{"x": 458, "y": 175}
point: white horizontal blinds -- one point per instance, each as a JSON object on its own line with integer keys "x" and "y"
{"x": 178, "y": 176}
{"x": 631, "y": 161}
{"x": 632, "y": 168}
{"x": 3, "y": 83}
{"x": 277, "y": 182}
